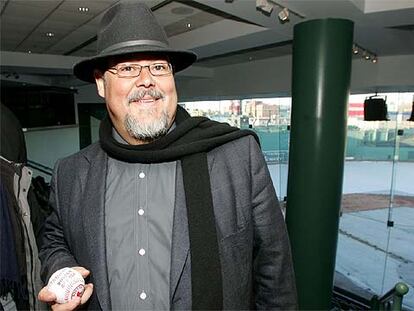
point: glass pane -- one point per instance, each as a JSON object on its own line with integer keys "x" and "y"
{"x": 376, "y": 231}
{"x": 400, "y": 260}
{"x": 268, "y": 117}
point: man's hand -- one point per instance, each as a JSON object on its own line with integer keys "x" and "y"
{"x": 48, "y": 297}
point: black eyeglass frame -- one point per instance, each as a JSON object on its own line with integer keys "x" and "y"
{"x": 116, "y": 70}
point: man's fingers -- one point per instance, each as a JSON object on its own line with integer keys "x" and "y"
{"x": 87, "y": 293}
{"x": 71, "y": 305}
{"x": 49, "y": 297}
{"x": 46, "y": 296}
{"x": 84, "y": 272}
{"x": 76, "y": 301}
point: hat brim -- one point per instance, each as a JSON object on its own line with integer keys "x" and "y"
{"x": 180, "y": 59}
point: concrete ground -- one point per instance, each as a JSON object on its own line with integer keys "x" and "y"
{"x": 374, "y": 256}
{"x": 371, "y": 255}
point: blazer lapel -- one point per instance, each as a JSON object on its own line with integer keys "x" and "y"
{"x": 94, "y": 223}
{"x": 180, "y": 240}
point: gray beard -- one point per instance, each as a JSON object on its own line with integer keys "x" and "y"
{"x": 147, "y": 132}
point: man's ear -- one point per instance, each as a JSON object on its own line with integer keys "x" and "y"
{"x": 100, "y": 82}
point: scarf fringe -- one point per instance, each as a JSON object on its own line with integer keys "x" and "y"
{"x": 18, "y": 290}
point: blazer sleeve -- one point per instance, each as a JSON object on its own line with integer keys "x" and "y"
{"x": 55, "y": 253}
{"x": 274, "y": 281}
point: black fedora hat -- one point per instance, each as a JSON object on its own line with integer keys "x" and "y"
{"x": 130, "y": 27}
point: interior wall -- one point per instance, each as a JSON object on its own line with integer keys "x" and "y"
{"x": 269, "y": 76}
{"x": 272, "y": 77}
{"x": 87, "y": 94}
{"x": 45, "y": 146}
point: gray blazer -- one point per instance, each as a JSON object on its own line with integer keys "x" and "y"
{"x": 253, "y": 243}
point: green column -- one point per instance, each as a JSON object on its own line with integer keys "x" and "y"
{"x": 322, "y": 53}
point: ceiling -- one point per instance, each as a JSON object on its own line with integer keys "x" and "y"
{"x": 221, "y": 32}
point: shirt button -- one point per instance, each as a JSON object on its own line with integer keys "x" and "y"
{"x": 141, "y": 175}
{"x": 141, "y": 252}
{"x": 141, "y": 212}
{"x": 143, "y": 295}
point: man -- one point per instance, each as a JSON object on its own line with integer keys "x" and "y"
{"x": 166, "y": 211}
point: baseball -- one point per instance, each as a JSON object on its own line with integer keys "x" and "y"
{"x": 66, "y": 284}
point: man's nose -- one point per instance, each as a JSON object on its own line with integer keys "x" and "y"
{"x": 145, "y": 78}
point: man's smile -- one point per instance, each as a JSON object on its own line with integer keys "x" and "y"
{"x": 145, "y": 101}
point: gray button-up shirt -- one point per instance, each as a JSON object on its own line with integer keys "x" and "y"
{"x": 139, "y": 206}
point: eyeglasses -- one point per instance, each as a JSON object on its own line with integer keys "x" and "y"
{"x": 134, "y": 70}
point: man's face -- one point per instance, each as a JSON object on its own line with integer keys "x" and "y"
{"x": 141, "y": 108}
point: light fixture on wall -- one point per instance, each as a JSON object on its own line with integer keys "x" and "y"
{"x": 284, "y": 15}
{"x": 366, "y": 54}
{"x": 265, "y": 6}
{"x": 355, "y": 49}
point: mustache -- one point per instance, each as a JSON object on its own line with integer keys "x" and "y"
{"x": 140, "y": 94}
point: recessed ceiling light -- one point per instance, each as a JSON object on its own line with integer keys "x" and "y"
{"x": 50, "y": 34}
{"x": 83, "y": 9}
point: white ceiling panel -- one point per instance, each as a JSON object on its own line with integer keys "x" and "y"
{"x": 33, "y": 46}
{"x": 73, "y": 18}
{"x": 29, "y": 9}
{"x": 9, "y": 24}
{"x": 216, "y": 32}
{"x": 59, "y": 28}
{"x": 174, "y": 12}
{"x": 94, "y": 7}
{"x": 221, "y": 31}
{"x": 27, "y": 21}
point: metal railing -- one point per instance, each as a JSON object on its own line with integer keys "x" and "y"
{"x": 40, "y": 167}
{"x": 392, "y": 300}
{"x": 343, "y": 299}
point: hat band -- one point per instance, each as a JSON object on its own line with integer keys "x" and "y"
{"x": 133, "y": 43}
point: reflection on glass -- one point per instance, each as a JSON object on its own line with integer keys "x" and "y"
{"x": 376, "y": 234}
{"x": 268, "y": 117}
